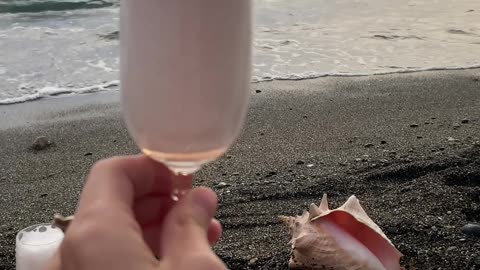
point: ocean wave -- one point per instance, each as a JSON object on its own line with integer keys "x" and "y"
{"x": 49, "y": 91}
{"x": 314, "y": 75}
{"x": 29, "y": 6}
{"x": 114, "y": 85}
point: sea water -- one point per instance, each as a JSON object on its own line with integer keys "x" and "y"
{"x": 68, "y": 47}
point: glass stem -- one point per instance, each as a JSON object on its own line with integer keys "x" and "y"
{"x": 181, "y": 185}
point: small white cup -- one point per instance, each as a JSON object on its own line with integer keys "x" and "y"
{"x": 35, "y": 245}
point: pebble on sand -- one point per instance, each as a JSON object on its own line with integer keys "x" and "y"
{"x": 383, "y": 142}
{"x": 465, "y": 121}
{"x": 471, "y": 229}
{"x": 452, "y": 248}
{"x": 300, "y": 162}
{"x": 88, "y": 154}
{"x": 413, "y": 125}
{"x": 222, "y": 184}
{"x": 456, "y": 125}
{"x": 258, "y": 91}
{"x": 41, "y": 143}
{"x": 451, "y": 139}
{"x": 392, "y": 153}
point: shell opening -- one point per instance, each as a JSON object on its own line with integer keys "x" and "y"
{"x": 380, "y": 247}
{"x": 354, "y": 248}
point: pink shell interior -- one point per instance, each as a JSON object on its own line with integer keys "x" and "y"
{"x": 377, "y": 244}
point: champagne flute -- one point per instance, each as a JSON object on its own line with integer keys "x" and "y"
{"x": 185, "y": 76}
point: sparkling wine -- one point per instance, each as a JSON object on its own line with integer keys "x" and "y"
{"x": 185, "y": 75}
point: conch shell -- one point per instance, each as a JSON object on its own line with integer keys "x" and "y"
{"x": 340, "y": 239}
{"x": 62, "y": 222}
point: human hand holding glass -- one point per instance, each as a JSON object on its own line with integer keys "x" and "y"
{"x": 185, "y": 75}
{"x": 126, "y": 220}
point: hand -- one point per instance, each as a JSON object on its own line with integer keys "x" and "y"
{"x": 126, "y": 218}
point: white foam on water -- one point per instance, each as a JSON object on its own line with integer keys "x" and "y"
{"x": 313, "y": 38}
{"x": 102, "y": 65}
{"x": 314, "y": 75}
{"x": 55, "y": 91}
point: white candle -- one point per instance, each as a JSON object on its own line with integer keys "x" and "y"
{"x": 35, "y": 245}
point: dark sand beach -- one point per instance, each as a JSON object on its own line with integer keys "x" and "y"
{"x": 407, "y": 145}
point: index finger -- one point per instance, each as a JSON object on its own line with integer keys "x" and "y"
{"x": 120, "y": 180}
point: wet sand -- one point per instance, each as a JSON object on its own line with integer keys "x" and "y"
{"x": 383, "y": 138}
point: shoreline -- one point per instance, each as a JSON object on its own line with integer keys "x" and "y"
{"x": 338, "y": 124}
{"x": 65, "y": 92}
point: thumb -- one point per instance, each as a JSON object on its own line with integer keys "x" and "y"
{"x": 186, "y": 226}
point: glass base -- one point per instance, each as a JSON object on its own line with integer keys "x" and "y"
{"x": 184, "y": 163}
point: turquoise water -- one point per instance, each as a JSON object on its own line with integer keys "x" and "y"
{"x": 68, "y": 47}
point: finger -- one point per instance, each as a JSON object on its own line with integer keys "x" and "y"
{"x": 150, "y": 213}
{"x": 151, "y": 209}
{"x": 185, "y": 227}
{"x": 119, "y": 180}
{"x": 152, "y": 235}
{"x": 214, "y": 232}
{"x": 105, "y": 222}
